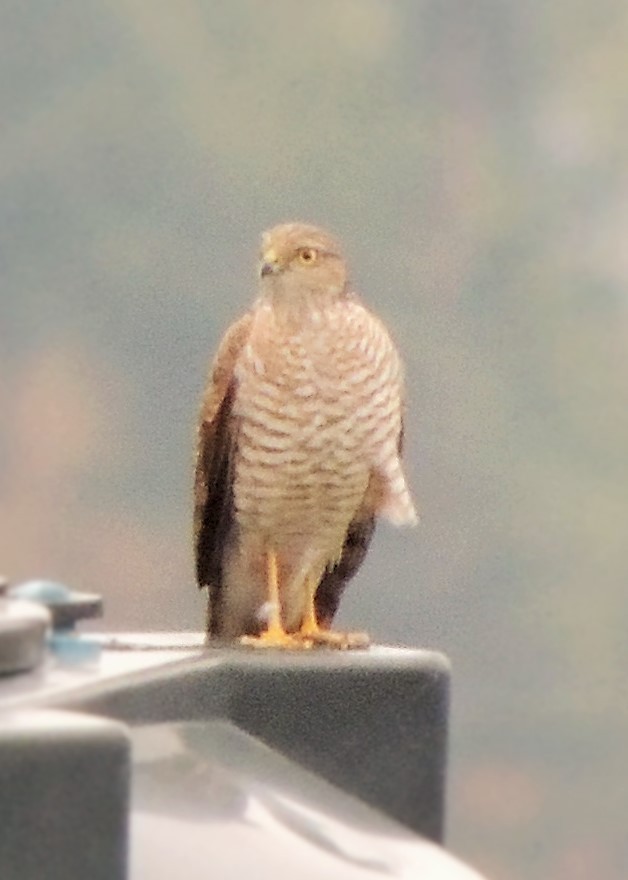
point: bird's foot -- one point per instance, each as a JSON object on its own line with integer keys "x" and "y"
{"x": 273, "y": 637}
{"x": 327, "y": 638}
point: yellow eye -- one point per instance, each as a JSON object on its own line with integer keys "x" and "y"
{"x": 308, "y": 255}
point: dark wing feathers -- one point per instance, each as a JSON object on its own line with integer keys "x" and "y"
{"x": 335, "y": 579}
{"x": 213, "y": 483}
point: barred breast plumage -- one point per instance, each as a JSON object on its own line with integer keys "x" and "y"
{"x": 315, "y": 396}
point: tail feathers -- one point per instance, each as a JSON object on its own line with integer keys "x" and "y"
{"x": 397, "y": 505}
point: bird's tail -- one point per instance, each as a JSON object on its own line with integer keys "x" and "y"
{"x": 397, "y": 505}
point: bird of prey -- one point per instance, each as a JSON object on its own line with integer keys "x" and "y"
{"x": 299, "y": 445}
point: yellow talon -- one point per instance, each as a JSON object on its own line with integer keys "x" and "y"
{"x": 274, "y": 636}
{"x": 312, "y": 635}
{"x": 269, "y": 639}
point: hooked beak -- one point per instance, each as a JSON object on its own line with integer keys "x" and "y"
{"x": 270, "y": 263}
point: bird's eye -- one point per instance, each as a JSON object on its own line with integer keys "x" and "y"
{"x": 308, "y": 255}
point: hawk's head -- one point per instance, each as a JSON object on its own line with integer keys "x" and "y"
{"x": 299, "y": 257}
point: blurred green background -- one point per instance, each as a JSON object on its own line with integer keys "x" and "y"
{"x": 473, "y": 157}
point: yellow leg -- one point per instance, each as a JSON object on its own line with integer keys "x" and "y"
{"x": 274, "y": 636}
{"x": 313, "y": 635}
{"x": 310, "y": 626}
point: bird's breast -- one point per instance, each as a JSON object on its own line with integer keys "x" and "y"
{"x": 318, "y": 407}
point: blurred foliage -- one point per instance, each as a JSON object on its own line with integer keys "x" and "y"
{"x": 473, "y": 158}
